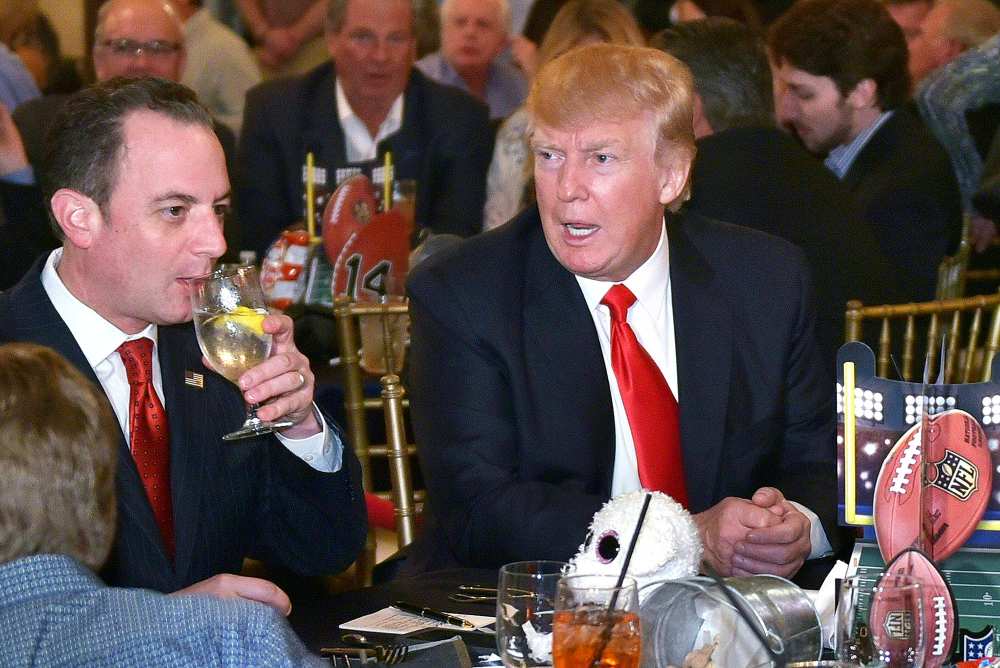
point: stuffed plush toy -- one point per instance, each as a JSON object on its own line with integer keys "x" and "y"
{"x": 668, "y": 547}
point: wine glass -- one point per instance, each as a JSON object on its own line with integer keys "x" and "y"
{"x": 597, "y": 622}
{"x": 228, "y": 307}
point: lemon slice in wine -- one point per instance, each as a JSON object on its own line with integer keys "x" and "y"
{"x": 242, "y": 316}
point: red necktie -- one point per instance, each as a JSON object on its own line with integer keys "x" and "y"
{"x": 649, "y": 404}
{"x": 149, "y": 434}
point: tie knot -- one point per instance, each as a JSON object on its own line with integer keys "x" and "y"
{"x": 137, "y": 355}
{"x": 618, "y": 299}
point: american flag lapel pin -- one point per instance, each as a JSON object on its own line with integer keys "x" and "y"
{"x": 194, "y": 379}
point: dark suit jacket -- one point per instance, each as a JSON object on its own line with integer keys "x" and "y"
{"x": 904, "y": 183}
{"x": 762, "y": 178}
{"x": 510, "y": 396}
{"x": 35, "y": 118}
{"x": 445, "y": 143}
{"x": 231, "y": 500}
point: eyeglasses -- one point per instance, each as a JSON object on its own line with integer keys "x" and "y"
{"x": 130, "y": 48}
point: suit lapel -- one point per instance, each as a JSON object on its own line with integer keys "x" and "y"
{"x": 561, "y": 345}
{"x": 187, "y": 410}
{"x": 703, "y": 331}
{"x": 406, "y": 143}
{"x": 322, "y": 133}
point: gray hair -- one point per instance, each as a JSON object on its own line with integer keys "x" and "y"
{"x": 731, "y": 72}
{"x": 503, "y": 7}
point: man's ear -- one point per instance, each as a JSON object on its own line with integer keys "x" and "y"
{"x": 864, "y": 95}
{"x": 78, "y": 216}
{"x": 674, "y": 182}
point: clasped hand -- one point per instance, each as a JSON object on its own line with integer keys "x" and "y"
{"x": 765, "y": 534}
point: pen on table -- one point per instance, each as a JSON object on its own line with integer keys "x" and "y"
{"x": 430, "y": 613}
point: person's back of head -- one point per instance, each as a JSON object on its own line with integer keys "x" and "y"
{"x": 731, "y": 72}
{"x": 58, "y": 447}
{"x": 848, "y": 41}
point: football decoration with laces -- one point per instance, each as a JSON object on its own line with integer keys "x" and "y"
{"x": 933, "y": 487}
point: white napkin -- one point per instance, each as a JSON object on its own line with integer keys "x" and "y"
{"x": 825, "y": 602}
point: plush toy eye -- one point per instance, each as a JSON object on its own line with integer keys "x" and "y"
{"x": 608, "y": 547}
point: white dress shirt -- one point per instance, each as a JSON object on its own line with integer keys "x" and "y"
{"x": 652, "y": 320}
{"x": 358, "y": 141}
{"x": 99, "y": 340}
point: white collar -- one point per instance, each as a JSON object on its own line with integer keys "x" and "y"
{"x": 96, "y": 337}
{"x": 648, "y": 283}
{"x": 393, "y": 121}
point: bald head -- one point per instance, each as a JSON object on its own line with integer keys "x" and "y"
{"x": 138, "y": 38}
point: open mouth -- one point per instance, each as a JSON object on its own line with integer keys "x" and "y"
{"x": 578, "y": 230}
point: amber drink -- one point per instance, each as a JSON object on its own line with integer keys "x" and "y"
{"x": 585, "y": 635}
{"x": 596, "y": 623}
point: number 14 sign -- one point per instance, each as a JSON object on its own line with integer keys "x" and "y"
{"x": 369, "y": 249}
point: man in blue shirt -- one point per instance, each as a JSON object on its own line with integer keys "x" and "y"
{"x": 57, "y": 523}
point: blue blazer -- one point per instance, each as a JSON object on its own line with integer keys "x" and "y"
{"x": 512, "y": 408}
{"x": 251, "y": 498}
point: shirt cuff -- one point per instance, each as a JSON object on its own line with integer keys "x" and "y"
{"x": 323, "y": 451}
{"x": 817, "y": 535}
{"x": 22, "y": 177}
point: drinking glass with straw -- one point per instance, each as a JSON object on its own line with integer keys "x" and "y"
{"x": 597, "y": 616}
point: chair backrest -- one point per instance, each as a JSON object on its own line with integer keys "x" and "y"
{"x": 952, "y": 270}
{"x": 386, "y": 320}
{"x": 967, "y": 358}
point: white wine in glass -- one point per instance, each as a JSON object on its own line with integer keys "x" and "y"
{"x": 229, "y": 309}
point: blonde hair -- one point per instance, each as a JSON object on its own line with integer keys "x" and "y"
{"x": 603, "y": 20}
{"x": 969, "y": 22}
{"x": 612, "y": 82}
{"x": 58, "y": 447}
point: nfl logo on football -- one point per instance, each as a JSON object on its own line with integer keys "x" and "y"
{"x": 898, "y": 624}
{"x": 956, "y": 475}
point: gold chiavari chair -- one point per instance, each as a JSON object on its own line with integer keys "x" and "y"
{"x": 386, "y": 319}
{"x": 968, "y": 357}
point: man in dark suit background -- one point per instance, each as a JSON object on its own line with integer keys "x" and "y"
{"x": 749, "y": 172}
{"x": 368, "y": 101}
{"x": 132, "y": 38}
{"x": 843, "y": 82}
{"x": 528, "y": 411}
{"x": 138, "y": 190}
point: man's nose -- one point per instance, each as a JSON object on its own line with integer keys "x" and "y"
{"x": 569, "y": 186}
{"x": 380, "y": 52}
{"x": 210, "y": 239}
{"x": 787, "y": 109}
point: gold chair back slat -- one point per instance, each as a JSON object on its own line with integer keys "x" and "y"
{"x": 405, "y": 508}
{"x": 966, "y": 358}
{"x": 348, "y": 314}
